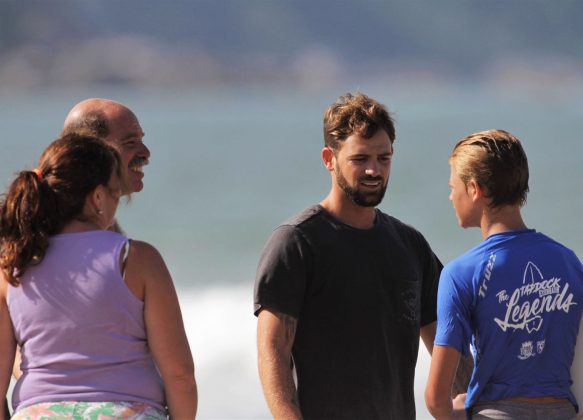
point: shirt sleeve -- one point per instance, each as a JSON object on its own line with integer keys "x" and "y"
{"x": 454, "y": 300}
{"x": 283, "y": 272}
{"x": 431, "y": 271}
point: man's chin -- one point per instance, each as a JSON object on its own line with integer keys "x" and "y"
{"x": 137, "y": 186}
{"x": 369, "y": 203}
{"x": 135, "y": 182}
{"x": 371, "y": 200}
{"x": 359, "y": 201}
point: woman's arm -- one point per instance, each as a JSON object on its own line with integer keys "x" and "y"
{"x": 444, "y": 363}
{"x": 165, "y": 329}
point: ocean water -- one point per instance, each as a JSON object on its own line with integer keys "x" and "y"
{"x": 228, "y": 166}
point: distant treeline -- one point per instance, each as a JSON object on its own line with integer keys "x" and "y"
{"x": 202, "y": 40}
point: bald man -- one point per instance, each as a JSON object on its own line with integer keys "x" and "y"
{"x": 119, "y": 126}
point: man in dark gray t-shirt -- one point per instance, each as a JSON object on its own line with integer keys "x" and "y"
{"x": 343, "y": 291}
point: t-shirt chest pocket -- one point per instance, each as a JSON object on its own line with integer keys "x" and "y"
{"x": 400, "y": 290}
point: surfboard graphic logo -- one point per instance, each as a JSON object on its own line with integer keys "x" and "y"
{"x": 531, "y": 274}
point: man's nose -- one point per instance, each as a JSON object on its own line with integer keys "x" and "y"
{"x": 372, "y": 169}
{"x": 144, "y": 151}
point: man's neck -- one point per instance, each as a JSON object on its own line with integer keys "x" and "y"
{"x": 502, "y": 219}
{"x": 348, "y": 212}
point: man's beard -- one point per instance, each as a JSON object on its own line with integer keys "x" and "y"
{"x": 364, "y": 199}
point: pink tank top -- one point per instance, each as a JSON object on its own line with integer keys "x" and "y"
{"x": 80, "y": 329}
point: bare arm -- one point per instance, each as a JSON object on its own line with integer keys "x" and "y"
{"x": 165, "y": 329}
{"x": 463, "y": 375}
{"x": 275, "y": 337}
{"x": 7, "y": 348}
{"x": 465, "y": 366}
{"x": 444, "y": 363}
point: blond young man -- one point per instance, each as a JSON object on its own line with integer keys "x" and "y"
{"x": 517, "y": 297}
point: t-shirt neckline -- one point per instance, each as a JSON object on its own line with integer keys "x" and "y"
{"x": 373, "y": 228}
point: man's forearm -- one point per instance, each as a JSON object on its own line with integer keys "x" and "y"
{"x": 275, "y": 337}
{"x": 278, "y": 385}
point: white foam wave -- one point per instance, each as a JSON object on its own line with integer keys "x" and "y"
{"x": 221, "y": 330}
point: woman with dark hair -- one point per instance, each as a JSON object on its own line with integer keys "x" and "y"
{"x": 95, "y": 314}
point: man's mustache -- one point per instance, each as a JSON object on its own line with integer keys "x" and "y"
{"x": 371, "y": 179}
{"x": 139, "y": 161}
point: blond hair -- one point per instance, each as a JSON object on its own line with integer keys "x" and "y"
{"x": 496, "y": 161}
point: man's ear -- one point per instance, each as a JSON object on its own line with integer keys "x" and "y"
{"x": 328, "y": 158}
{"x": 475, "y": 190}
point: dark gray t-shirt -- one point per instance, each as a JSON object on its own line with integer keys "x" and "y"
{"x": 360, "y": 297}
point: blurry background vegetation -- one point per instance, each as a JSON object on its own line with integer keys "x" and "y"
{"x": 303, "y": 43}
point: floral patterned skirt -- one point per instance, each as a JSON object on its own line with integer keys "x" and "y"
{"x": 71, "y": 410}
